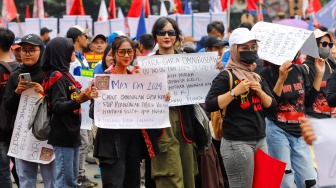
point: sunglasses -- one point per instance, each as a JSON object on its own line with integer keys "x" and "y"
{"x": 325, "y": 44}
{"x": 164, "y": 33}
{"x": 122, "y": 52}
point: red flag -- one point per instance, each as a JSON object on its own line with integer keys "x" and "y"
{"x": 178, "y": 7}
{"x": 9, "y": 11}
{"x": 252, "y": 5}
{"x": 112, "y": 10}
{"x": 136, "y": 6}
{"x": 77, "y": 8}
{"x": 225, "y": 4}
{"x": 268, "y": 171}
{"x": 27, "y": 11}
{"x": 314, "y": 6}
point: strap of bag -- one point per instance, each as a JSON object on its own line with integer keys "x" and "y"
{"x": 6, "y": 66}
{"x": 231, "y": 83}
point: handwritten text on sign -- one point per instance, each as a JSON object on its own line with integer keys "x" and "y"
{"x": 131, "y": 101}
{"x": 279, "y": 43}
{"x": 23, "y": 143}
{"x": 189, "y": 75}
{"x": 86, "y": 120}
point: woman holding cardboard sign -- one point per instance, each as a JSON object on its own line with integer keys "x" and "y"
{"x": 244, "y": 125}
{"x": 293, "y": 92}
{"x": 31, "y": 53}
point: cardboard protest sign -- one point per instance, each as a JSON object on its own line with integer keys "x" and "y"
{"x": 131, "y": 101}
{"x": 86, "y": 120}
{"x": 189, "y": 75}
{"x": 23, "y": 144}
{"x": 268, "y": 171}
{"x": 279, "y": 43}
{"x": 325, "y": 153}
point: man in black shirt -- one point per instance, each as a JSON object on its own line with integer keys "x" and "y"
{"x": 7, "y": 65}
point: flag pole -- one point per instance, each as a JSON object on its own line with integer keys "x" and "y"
{"x": 18, "y": 20}
{"x": 228, "y": 13}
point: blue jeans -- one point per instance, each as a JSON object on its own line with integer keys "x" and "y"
{"x": 238, "y": 158}
{"x": 27, "y": 172}
{"x": 5, "y": 180}
{"x": 66, "y": 166}
{"x": 293, "y": 151}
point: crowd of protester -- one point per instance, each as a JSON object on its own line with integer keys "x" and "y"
{"x": 265, "y": 104}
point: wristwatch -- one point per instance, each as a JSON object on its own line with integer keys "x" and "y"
{"x": 232, "y": 94}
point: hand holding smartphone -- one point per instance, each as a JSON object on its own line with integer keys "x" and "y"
{"x": 26, "y": 77}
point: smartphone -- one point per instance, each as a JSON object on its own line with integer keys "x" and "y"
{"x": 26, "y": 77}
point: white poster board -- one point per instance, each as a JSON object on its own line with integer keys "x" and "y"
{"x": 23, "y": 144}
{"x": 325, "y": 152}
{"x": 17, "y": 28}
{"x": 67, "y": 22}
{"x": 34, "y": 25}
{"x": 86, "y": 120}
{"x": 131, "y": 101}
{"x": 189, "y": 75}
{"x": 279, "y": 43}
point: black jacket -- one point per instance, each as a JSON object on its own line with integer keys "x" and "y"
{"x": 66, "y": 119}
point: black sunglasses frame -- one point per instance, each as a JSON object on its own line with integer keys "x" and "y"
{"x": 325, "y": 44}
{"x": 171, "y": 33}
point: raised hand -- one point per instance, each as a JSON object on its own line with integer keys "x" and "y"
{"x": 284, "y": 70}
{"x": 320, "y": 66}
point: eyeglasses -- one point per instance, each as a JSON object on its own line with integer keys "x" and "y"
{"x": 325, "y": 44}
{"x": 122, "y": 52}
{"x": 30, "y": 51}
{"x": 247, "y": 48}
{"x": 164, "y": 33}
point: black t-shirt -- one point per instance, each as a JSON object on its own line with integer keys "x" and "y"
{"x": 320, "y": 108}
{"x": 244, "y": 118}
{"x": 296, "y": 93}
{"x": 331, "y": 90}
{"x": 66, "y": 120}
{"x": 5, "y": 134}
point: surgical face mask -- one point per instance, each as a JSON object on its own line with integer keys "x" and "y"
{"x": 248, "y": 57}
{"x": 324, "y": 52}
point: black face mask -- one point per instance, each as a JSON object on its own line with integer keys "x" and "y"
{"x": 248, "y": 57}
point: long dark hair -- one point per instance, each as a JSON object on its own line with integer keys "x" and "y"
{"x": 117, "y": 43}
{"x": 161, "y": 23}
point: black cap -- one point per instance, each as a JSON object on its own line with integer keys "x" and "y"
{"x": 213, "y": 41}
{"x": 45, "y": 30}
{"x": 31, "y": 39}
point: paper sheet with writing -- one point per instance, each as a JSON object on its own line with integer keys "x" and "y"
{"x": 131, "y": 101}
{"x": 189, "y": 75}
{"x": 325, "y": 150}
{"x": 86, "y": 120}
{"x": 23, "y": 144}
{"x": 279, "y": 43}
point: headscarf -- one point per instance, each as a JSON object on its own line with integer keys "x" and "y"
{"x": 57, "y": 56}
{"x": 35, "y": 71}
{"x": 241, "y": 70}
{"x": 107, "y": 49}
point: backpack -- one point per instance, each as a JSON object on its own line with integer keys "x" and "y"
{"x": 40, "y": 120}
{"x": 218, "y": 116}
